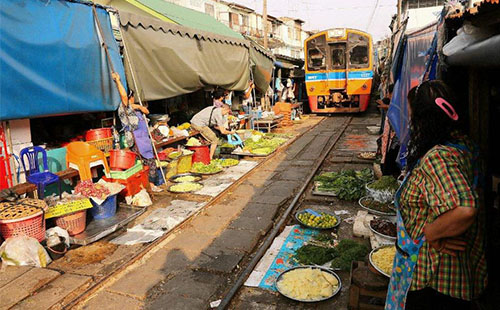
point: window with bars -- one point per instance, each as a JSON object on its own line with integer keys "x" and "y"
{"x": 417, "y": 4}
{"x": 209, "y": 9}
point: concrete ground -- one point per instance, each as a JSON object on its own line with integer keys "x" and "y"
{"x": 196, "y": 264}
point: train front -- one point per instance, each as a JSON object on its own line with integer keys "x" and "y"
{"x": 339, "y": 70}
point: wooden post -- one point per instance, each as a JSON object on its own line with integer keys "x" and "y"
{"x": 264, "y": 20}
{"x": 399, "y": 13}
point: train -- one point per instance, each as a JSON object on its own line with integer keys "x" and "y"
{"x": 339, "y": 70}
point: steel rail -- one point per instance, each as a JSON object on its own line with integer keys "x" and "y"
{"x": 274, "y": 232}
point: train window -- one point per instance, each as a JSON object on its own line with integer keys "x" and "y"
{"x": 338, "y": 56}
{"x": 316, "y": 54}
{"x": 358, "y": 51}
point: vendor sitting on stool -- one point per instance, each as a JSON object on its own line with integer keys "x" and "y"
{"x": 208, "y": 117}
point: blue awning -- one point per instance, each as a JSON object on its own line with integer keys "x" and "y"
{"x": 52, "y": 62}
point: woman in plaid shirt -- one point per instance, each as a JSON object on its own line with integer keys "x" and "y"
{"x": 440, "y": 262}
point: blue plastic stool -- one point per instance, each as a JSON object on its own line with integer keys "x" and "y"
{"x": 33, "y": 174}
{"x": 234, "y": 140}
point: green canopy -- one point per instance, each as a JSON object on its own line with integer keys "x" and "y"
{"x": 170, "y": 60}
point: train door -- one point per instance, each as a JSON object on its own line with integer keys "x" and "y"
{"x": 337, "y": 75}
{"x": 358, "y": 69}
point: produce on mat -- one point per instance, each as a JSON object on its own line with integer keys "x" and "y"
{"x": 185, "y": 187}
{"x": 213, "y": 167}
{"x": 308, "y": 284}
{"x": 349, "y": 250}
{"x": 323, "y": 221}
{"x": 262, "y": 146}
{"x": 384, "y": 227}
{"x": 385, "y": 183}
{"x": 310, "y": 254}
{"x": 229, "y": 162}
{"x": 386, "y": 207}
{"x": 228, "y": 145}
{"x": 186, "y": 178}
{"x": 88, "y": 189}
{"x": 346, "y": 184}
{"x": 193, "y": 142}
{"x": 367, "y": 155}
{"x": 383, "y": 258}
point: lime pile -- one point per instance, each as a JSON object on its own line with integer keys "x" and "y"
{"x": 323, "y": 221}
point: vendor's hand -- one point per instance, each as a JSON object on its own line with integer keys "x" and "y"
{"x": 449, "y": 245}
{"x": 115, "y": 76}
{"x": 144, "y": 109}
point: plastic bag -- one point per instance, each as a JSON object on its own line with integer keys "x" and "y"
{"x": 141, "y": 199}
{"x": 24, "y": 251}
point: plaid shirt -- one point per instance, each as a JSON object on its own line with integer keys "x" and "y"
{"x": 441, "y": 182}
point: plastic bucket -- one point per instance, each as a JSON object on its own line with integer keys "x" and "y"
{"x": 121, "y": 159}
{"x": 105, "y": 210}
{"x": 201, "y": 154}
{"x": 98, "y": 134}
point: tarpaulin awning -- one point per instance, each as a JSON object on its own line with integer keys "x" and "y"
{"x": 480, "y": 54}
{"x": 170, "y": 60}
{"x": 51, "y": 60}
{"x": 262, "y": 64}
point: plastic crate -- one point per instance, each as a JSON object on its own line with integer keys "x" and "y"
{"x": 31, "y": 226}
{"x": 104, "y": 210}
{"x": 74, "y": 223}
{"x": 134, "y": 183}
{"x": 127, "y": 173}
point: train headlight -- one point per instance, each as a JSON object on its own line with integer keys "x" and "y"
{"x": 312, "y": 88}
{"x": 364, "y": 86}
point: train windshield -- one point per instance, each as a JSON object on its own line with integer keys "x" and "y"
{"x": 358, "y": 51}
{"x": 338, "y": 55}
{"x": 316, "y": 54}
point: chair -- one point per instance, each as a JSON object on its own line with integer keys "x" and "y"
{"x": 33, "y": 174}
{"x": 83, "y": 156}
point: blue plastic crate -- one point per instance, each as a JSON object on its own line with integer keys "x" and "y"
{"x": 105, "y": 210}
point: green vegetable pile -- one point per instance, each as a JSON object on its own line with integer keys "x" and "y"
{"x": 226, "y": 162}
{"x": 228, "y": 145}
{"x": 385, "y": 183}
{"x": 346, "y": 184}
{"x": 314, "y": 255}
{"x": 323, "y": 221}
{"x": 349, "y": 251}
{"x": 213, "y": 167}
{"x": 263, "y": 146}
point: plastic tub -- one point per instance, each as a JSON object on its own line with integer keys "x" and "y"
{"x": 201, "y": 154}
{"x": 105, "y": 210}
{"x": 98, "y": 134}
{"x": 121, "y": 159}
{"x": 74, "y": 223}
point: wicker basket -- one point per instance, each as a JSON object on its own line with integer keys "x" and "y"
{"x": 74, "y": 223}
{"x": 105, "y": 145}
{"x": 31, "y": 226}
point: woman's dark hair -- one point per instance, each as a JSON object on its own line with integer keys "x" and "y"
{"x": 218, "y": 93}
{"x": 429, "y": 124}
{"x": 130, "y": 93}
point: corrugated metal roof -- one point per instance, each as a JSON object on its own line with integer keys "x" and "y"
{"x": 478, "y": 6}
{"x": 190, "y": 18}
{"x": 133, "y": 20}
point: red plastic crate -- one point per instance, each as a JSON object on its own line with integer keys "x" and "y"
{"x": 134, "y": 184}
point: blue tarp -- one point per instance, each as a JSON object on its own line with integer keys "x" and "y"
{"x": 52, "y": 62}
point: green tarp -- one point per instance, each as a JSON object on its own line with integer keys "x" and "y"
{"x": 170, "y": 60}
{"x": 262, "y": 64}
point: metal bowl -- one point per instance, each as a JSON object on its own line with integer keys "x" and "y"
{"x": 313, "y": 267}
{"x": 192, "y": 191}
{"x": 373, "y": 211}
{"x": 211, "y": 173}
{"x": 189, "y": 174}
{"x": 386, "y": 237}
{"x": 372, "y": 263}
{"x": 320, "y": 228}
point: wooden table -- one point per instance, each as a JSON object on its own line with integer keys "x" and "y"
{"x": 267, "y": 123}
{"x": 23, "y": 188}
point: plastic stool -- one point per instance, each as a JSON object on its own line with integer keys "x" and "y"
{"x": 83, "y": 156}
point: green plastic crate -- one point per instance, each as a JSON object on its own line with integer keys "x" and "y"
{"x": 123, "y": 175}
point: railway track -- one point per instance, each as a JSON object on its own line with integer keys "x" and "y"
{"x": 233, "y": 290}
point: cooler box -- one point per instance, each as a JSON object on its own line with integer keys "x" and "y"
{"x": 134, "y": 183}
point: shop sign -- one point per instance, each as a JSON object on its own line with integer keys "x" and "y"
{"x": 67, "y": 208}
